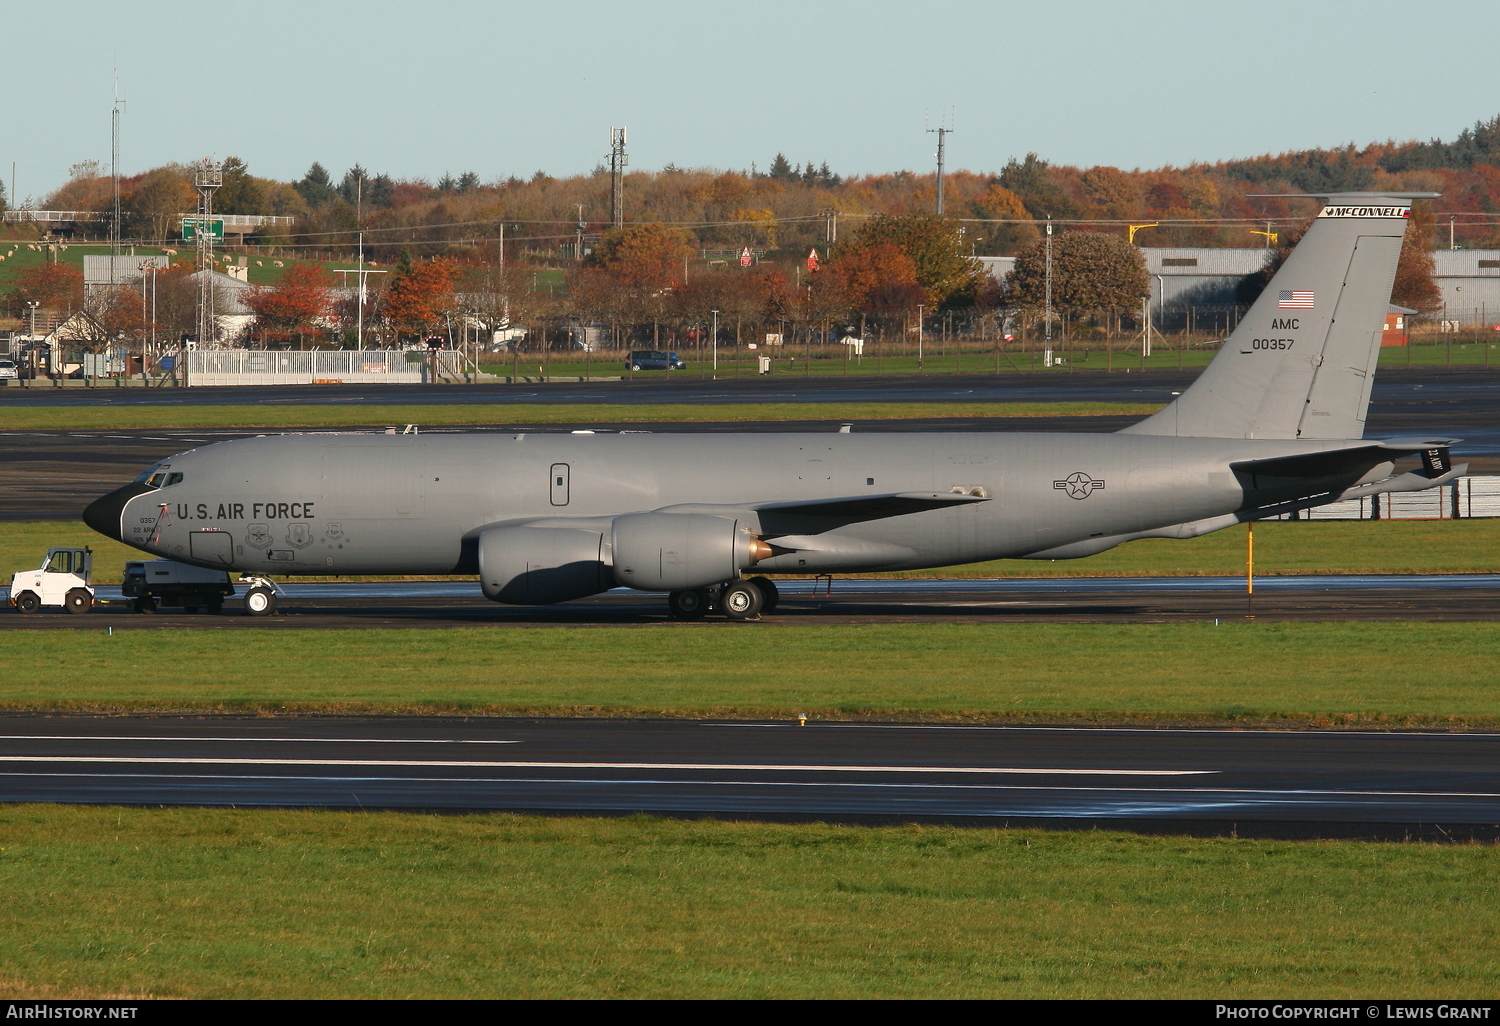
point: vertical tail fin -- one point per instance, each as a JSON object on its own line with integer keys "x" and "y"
{"x": 1301, "y": 362}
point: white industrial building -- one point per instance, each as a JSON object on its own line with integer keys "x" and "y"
{"x": 1205, "y": 280}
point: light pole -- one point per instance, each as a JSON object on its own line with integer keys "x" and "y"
{"x": 716, "y": 342}
{"x": 31, "y": 344}
{"x": 919, "y": 336}
{"x": 578, "y": 246}
{"x": 1047, "y": 314}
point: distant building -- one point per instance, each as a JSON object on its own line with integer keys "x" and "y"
{"x": 104, "y": 270}
{"x": 1469, "y": 280}
{"x": 1201, "y": 279}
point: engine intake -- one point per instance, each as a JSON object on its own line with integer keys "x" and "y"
{"x": 537, "y": 566}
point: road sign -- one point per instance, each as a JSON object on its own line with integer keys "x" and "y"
{"x": 745, "y": 257}
{"x": 212, "y": 226}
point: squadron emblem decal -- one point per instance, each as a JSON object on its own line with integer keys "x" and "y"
{"x": 1078, "y": 485}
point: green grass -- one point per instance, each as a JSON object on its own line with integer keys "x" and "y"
{"x": 81, "y": 418}
{"x": 1461, "y": 351}
{"x": 1304, "y": 547}
{"x": 197, "y": 903}
{"x": 1237, "y": 672}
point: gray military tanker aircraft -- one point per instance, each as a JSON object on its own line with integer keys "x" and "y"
{"x": 1275, "y": 423}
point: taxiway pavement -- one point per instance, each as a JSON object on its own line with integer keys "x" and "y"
{"x": 1311, "y": 783}
{"x": 458, "y": 603}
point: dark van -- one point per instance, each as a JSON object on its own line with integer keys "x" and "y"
{"x": 653, "y": 359}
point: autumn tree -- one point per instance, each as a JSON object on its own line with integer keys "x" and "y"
{"x": 641, "y": 265}
{"x": 152, "y": 203}
{"x": 56, "y": 287}
{"x": 878, "y": 279}
{"x": 1113, "y": 192}
{"x": 1033, "y": 180}
{"x": 1090, "y": 271}
{"x": 936, "y": 248}
{"x": 1416, "y": 286}
{"x": 419, "y": 294}
{"x": 1000, "y": 204}
{"x": 292, "y": 305}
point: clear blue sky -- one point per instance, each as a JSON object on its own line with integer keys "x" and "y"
{"x": 414, "y": 89}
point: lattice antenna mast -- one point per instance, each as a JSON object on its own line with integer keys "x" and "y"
{"x": 617, "y": 162}
{"x": 207, "y": 178}
{"x": 114, "y": 177}
{"x": 943, "y": 130}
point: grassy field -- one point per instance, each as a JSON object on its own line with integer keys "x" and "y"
{"x": 1235, "y": 672}
{"x": 1302, "y": 547}
{"x": 81, "y": 418}
{"x": 201, "y": 903}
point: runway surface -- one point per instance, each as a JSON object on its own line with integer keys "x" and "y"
{"x": 458, "y": 603}
{"x": 1297, "y": 783}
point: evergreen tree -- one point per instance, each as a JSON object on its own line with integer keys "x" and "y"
{"x": 316, "y": 188}
{"x": 468, "y": 182}
{"x": 355, "y": 184}
{"x": 781, "y": 169}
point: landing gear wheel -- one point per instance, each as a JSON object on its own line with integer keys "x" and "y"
{"x": 78, "y": 601}
{"x": 214, "y": 605}
{"x": 769, "y": 593}
{"x": 260, "y": 602}
{"x": 687, "y": 605}
{"x": 145, "y": 604}
{"x": 741, "y": 600}
{"x": 27, "y": 602}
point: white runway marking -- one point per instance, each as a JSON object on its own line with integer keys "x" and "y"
{"x": 753, "y": 767}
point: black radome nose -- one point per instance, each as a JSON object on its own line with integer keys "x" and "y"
{"x": 103, "y": 514}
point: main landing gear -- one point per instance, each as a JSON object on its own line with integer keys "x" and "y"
{"x": 738, "y": 600}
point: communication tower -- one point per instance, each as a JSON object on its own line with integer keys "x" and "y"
{"x": 617, "y": 162}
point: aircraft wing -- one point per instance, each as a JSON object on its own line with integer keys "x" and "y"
{"x": 871, "y": 507}
{"x": 814, "y": 516}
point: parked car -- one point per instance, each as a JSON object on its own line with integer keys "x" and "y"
{"x": 653, "y": 359}
{"x": 8, "y": 370}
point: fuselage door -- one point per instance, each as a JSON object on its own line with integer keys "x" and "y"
{"x": 559, "y": 484}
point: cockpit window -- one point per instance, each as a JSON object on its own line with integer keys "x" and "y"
{"x": 172, "y": 479}
{"x": 154, "y": 476}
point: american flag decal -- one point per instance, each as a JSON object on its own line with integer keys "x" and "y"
{"x": 1294, "y": 299}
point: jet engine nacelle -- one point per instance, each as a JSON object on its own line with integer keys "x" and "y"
{"x": 681, "y": 551}
{"x": 537, "y": 566}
